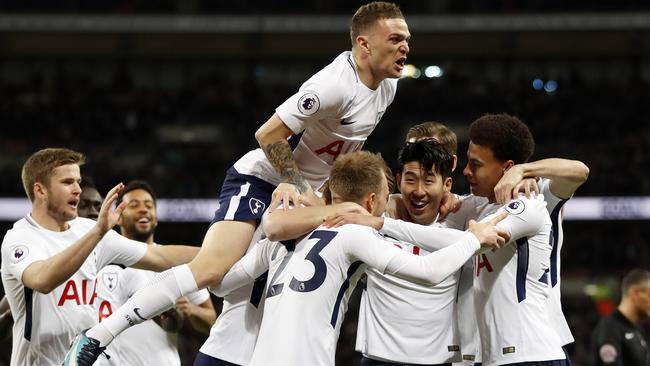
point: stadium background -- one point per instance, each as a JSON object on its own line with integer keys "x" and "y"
{"x": 172, "y": 91}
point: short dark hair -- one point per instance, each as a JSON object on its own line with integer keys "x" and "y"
{"x": 505, "y": 135}
{"x": 430, "y": 153}
{"x": 437, "y": 130}
{"x": 633, "y": 278}
{"x": 132, "y": 186}
{"x": 369, "y": 13}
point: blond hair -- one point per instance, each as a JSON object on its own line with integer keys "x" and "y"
{"x": 39, "y": 166}
{"x": 368, "y": 14}
{"x": 356, "y": 174}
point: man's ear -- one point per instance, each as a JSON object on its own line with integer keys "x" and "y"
{"x": 507, "y": 165}
{"x": 370, "y": 202}
{"x": 455, "y": 162}
{"x": 40, "y": 190}
{"x": 362, "y": 43}
{"x": 447, "y": 184}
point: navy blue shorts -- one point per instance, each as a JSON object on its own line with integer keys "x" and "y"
{"x": 243, "y": 197}
{"x": 370, "y": 362}
{"x": 204, "y": 360}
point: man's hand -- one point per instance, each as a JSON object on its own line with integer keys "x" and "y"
{"x": 285, "y": 193}
{"x": 488, "y": 234}
{"x": 310, "y": 198}
{"x": 107, "y": 216}
{"x": 185, "y": 307}
{"x": 450, "y": 203}
{"x": 354, "y": 218}
{"x": 171, "y": 320}
{"x": 513, "y": 182}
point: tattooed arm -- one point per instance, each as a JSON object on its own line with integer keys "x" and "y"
{"x": 272, "y": 137}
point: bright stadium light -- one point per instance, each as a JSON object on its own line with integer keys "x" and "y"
{"x": 550, "y": 86}
{"x": 410, "y": 71}
{"x": 433, "y": 71}
{"x": 538, "y": 84}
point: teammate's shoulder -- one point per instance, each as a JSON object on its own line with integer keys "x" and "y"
{"x": 82, "y": 222}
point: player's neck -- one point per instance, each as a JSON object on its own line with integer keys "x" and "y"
{"x": 627, "y": 309}
{"x": 47, "y": 221}
{"x": 364, "y": 71}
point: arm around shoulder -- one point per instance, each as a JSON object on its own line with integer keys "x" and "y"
{"x": 565, "y": 175}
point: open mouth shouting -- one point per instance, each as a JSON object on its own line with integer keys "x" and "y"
{"x": 399, "y": 64}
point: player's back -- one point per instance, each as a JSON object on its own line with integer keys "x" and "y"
{"x": 306, "y": 299}
{"x": 512, "y": 290}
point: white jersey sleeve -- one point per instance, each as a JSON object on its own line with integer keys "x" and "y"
{"x": 317, "y": 98}
{"x": 248, "y": 268}
{"x": 522, "y": 221}
{"x": 429, "y": 238}
{"x": 116, "y": 249}
{"x": 430, "y": 269}
{"x": 20, "y": 248}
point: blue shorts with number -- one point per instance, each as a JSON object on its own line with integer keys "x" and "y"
{"x": 204, "y": 360}
{"x": 243, "y": 197}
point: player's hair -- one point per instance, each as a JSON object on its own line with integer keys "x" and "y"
{"x": 132, "y": 186}
{"x": 434, "y": 130}
{"x": 368, "y": 14}
{"x": 356, "y": 174}
{"x": 39, "y": 166}
{"x": 505, "y": 135}
{"x": 87, "y": 182}
{"x": 327, "y": 193}
{"x": 633, "y": 278}
{"x": 430, "y": 153}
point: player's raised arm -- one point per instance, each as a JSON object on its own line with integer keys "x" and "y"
{"x": 291, "y": 224}
{"x": 272, "y": 137}
{"x": 565, "y": 175}
{"x": 47, "y": 274}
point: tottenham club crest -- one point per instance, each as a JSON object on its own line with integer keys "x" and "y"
{"x": 19, "y": 253}
{"x": 308, "y": 104}
{"x": 257, "y": 207}
{"x": 515, "y": 207}
{"x": 110, "y": 280}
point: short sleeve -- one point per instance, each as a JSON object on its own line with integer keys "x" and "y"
{"x": 316, "y": 100}
{"x": 21, "y": 248}
{"x": 114, "y": 248}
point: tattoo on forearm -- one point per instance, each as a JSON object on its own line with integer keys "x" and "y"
{"x": 280, "y": 155}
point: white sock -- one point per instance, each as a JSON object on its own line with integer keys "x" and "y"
{"x": 156, "y": 297}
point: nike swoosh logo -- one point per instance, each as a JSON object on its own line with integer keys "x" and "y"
{"x": 135, "y": 310}
{"x": 344, "y": 122}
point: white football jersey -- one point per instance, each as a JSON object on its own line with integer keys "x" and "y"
{"x": 45, "y": 324}
{"x": 470, "y": 341}
{"x": 554, "y": 208}
{"x": 511, "y": 288}
{"x": 232, "y": 338}
{"x": 401, "y": 321}
{"x": 143, "y": 344}
{"x": 332, "y": 113}
{"x": 308, "y": 288}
